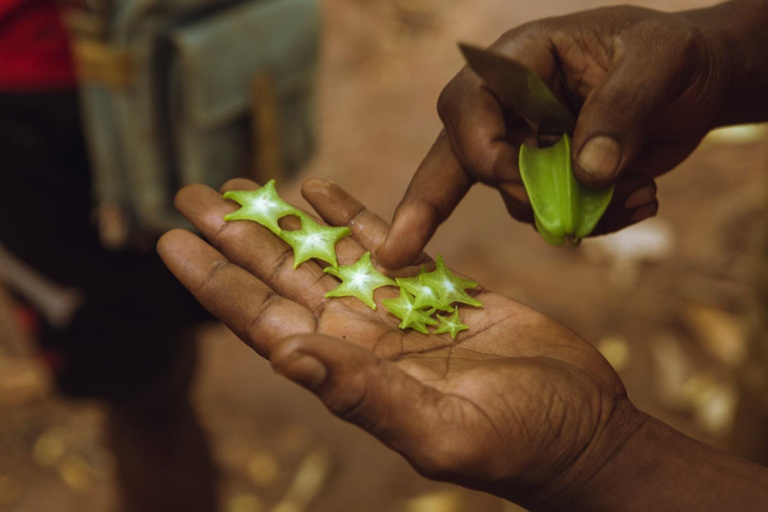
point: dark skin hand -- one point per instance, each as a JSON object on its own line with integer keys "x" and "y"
{"x": 647, "y": 86}
{"x": 518, "y": 406}
{"x": 459, "y": 411}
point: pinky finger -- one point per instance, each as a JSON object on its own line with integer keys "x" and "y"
{"x": 625, "y": 218}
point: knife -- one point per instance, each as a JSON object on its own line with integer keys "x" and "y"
{"x": 523, "y": 91}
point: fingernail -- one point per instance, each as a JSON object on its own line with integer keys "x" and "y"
{"x": 640, "y": 197}
{"x": 600, "y": 157}
{"x": 303, "y": 369}
{"x": 644, "y": 212}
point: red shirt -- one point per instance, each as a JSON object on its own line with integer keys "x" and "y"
{"x": 34, "y": 47}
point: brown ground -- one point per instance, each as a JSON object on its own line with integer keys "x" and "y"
{"x": 674, "y": 326}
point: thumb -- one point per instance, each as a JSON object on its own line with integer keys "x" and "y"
{"x": 616, "y": 119}
{"x": 362, "y": 389}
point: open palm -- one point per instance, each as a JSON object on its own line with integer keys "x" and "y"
{"x": 510, "y": 407}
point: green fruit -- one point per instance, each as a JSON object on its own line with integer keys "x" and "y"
{"x": 564, "y": 209}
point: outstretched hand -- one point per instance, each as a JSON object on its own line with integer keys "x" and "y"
{"x": 519, "y": 405}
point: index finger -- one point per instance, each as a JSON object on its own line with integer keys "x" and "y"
{"x": 438, "y": 186}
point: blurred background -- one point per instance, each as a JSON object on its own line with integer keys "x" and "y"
{"x": 676, "y": 304}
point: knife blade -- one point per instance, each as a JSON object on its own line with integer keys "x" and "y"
{"x": 523, "y": 91}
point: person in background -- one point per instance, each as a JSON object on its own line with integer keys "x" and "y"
{"x": 130, "y": 344}
{"x": 519, "y": 406}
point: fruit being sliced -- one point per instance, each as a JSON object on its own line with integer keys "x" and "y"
{"x": 262, "y": 205}
{"x": 564, "y": 210}
{"x": 314, "y": 240}
{"x": 359, "y": 280}
{"x": 411, "y": 317}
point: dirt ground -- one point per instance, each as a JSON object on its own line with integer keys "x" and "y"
{"x": 669, "y": 303}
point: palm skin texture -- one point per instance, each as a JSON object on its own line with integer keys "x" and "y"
{"x": 514, "y": 406}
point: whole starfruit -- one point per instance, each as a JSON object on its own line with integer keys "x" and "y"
{"x": 564, "y": 209}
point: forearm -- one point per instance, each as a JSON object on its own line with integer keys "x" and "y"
{"x": 740, "y": 28}
{"x": 659, "y": 468}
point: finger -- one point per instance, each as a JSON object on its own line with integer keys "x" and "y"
{"x": 251, "y": 309}
{"x": 252, "y": 246}
{"x": 617, "y": 117}
{"x": 477, "y": 129}
{"x": 660, "y": 157}
{"x": 634, "y": 199}
{"x": 517, "y": 202}
{"x": 626, "y": 218}
{"x": 633, "y": 189}
{"x": 337, "y": 207}
{"x": 366, "y": 391}
{"x": 438, "y": 186}
{"x": 348, "y": 250}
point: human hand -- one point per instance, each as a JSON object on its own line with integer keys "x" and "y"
{"x": 518, "y": 406}
{"x": 647, "y": 86}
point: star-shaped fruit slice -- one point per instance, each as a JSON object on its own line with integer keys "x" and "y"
{"x": 451, "y": 324}
{"x": 450, "y": 287}
{"x": 262, "y": 205}
{"x": 314, "y": 240}
{"x": 359, "y": 280}
{"x": 411, "y": 317}
{"x": 425, "y": 295}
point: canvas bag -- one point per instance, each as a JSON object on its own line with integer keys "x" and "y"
{"x": 172, "y": 93}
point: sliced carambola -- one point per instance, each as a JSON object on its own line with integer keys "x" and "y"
{"x": 411, "y": 317}
{"x": 262, "y": 205}
{"x": 424, "y": 295}
{"x": 451, "y": 324}
{"x": 448, "y": 286}
{"x": 564, "y": 210}
{"x": 359, "y": 280}
{"x": 314, "y": 240}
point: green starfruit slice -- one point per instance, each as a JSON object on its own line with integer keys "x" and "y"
{"x": 262, "y": 205}
{"x": 451, "y": 324}
{"x": 449, "y": 287}
{"x": 424, "y": 295}
{"x": 411, "y": 317}
{"x": 564, "y": 210}
{"x": 314, "y": 240}
{"x": 359, "y": 280}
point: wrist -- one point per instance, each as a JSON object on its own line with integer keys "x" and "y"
{"x": 737, "y": 35}
{"x": 601, "y": 467}
{"x": 638, "y": 463}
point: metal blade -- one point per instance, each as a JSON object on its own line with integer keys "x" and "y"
{"x": 523, "y": 91}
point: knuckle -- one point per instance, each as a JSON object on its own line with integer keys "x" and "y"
{"x": 281, "y": 266}
{"x": 689, "y": 39}
{"x": 350, "y": 400}
{"x": 265, "y": 314}
{"x": 445, "y": 100}
{"x": 526, "y": 31}
{"x": 662, "y": 33}
{"x": 501, "y": 164}
{"x": 211, "y": 277}
{"x": 623, "y": 106}
{"x": 313, "y": 296}
{"x": 481, "y": 165}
